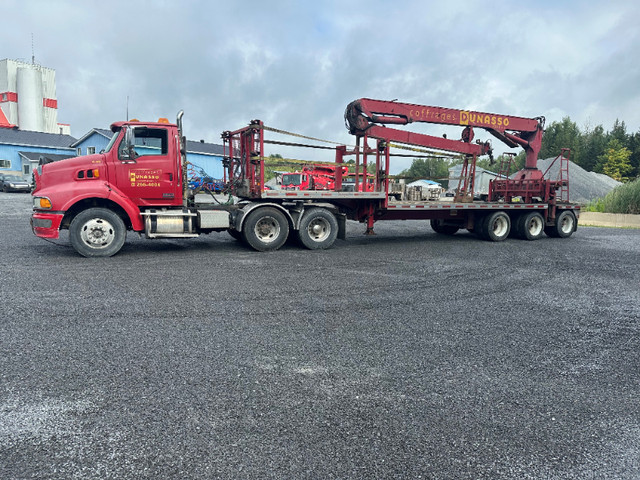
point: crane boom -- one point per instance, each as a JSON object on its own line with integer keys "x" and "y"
{"x": 362, "y": 116}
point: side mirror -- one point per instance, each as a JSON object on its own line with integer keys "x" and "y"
{"x": 127, "y": 151}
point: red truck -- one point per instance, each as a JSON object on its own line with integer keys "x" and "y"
{"x": 316, "y": 177}
{"x": 139, "y": 183}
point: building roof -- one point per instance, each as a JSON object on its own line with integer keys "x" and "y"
{"x": 423, "y": 182}
{"x": 13, "y": 136}
{"x": 456, "y": 169}
{"x": 205, "y": 148}
{"x": 43, "y": 157}
{"x": 100, "y": 131}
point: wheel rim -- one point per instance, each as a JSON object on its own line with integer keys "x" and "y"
{"x": 319, "y": 229}
{"x": 97, "y": 233}
{"x": 267, "y": 229}
{"x": 566, "y": 225}
{"x": 535, "y": 226}
{"x": 500, "y": 227}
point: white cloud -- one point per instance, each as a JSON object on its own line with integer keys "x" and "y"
{"x": 297, "y": 64}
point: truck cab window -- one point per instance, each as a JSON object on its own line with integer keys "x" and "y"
{"x": 148, "y": 142}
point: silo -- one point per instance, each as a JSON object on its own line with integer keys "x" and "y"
{"x": 30, "y": 109}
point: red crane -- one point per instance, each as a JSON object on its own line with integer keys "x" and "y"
{"x": 365, "y": 116}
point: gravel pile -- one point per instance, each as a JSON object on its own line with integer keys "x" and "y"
{"x": 583, "y": 186}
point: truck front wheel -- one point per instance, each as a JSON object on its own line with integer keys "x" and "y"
{"x": 265, "y": 229}
{"x": 97, "y": 232}
{"x": 318, "y": 229}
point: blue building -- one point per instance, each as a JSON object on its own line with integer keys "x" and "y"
{"x": 203, "y": 156}
{"x": 21, "y": 151}
{"x": 18, "y": 146}
{"x": 94, "y": 141}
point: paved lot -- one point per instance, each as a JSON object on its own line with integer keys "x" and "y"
{"x": 404, "y": 355}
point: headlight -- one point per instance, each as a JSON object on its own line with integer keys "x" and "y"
{"x": 12, "y": 185}
{"x": 42, "y": 202}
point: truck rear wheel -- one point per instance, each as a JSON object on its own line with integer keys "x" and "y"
{"x": 97, "y": 232}
{"x": 265, "y": 229}
{"x": 318, "y": 229}
{"x": 496, "y": 226}
{"x": 564, "y": 227}
{"x": 530, "y": 226}
{"x": 438, "y": 226}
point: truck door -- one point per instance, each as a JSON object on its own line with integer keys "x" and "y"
{"x": 149, "y": 176}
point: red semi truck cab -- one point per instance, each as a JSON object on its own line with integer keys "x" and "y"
{"x": 140, "y": 167}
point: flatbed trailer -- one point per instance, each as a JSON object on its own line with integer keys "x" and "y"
{"x": 139, "y": 183}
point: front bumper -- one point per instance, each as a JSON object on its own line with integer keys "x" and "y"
{"x": 46, "y": 225}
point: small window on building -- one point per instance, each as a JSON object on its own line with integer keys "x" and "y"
{"x": 26, "y": 169}
{"x": 5, "y": 163}
{"x": 91, "y": 150}
{"x": 78, "y": 151}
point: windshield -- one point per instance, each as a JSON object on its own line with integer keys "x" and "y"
{"x": 113, "y": 140}
{"x": 14, "y": 178}
{"x": 292, "y": 179}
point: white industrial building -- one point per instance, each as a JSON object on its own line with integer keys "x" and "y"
{"x": 28, "y": 98}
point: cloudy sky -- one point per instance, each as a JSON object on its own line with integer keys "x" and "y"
{"x": 296, "y": 64}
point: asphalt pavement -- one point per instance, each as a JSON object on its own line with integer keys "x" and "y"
{"x": 401, "y": 355}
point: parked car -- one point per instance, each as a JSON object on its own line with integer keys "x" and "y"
{"x": 14, "y": 183}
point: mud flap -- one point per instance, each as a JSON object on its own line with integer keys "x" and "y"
{"x": 342, "y": 225}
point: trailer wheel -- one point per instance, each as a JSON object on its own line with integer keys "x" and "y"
{"x": 438, "y": 227}
{"x": 318, "y": 229}
{"x": 496, "y": 226}
{"x": 530, "y": 226}
{"x": 97, "y": 232}
{"x": 564, "y": 227}
{"x": 265, "y": 229}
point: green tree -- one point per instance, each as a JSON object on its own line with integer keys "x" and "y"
{"x": 615, "y": 160}
{"x": 634, "y": 160}
{"x": 619, "y": 132}
{"x": 436, "y": 169}
{"x": 559, "y": 135}
{"x": 594, "y": 143}
{"x": 271, "y": 165}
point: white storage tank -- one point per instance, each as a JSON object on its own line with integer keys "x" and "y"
{"x": 30, "y": 105}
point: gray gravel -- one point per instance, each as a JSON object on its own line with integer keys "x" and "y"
{"x": 584, "y": 186}
{"x": 403, "y": 355}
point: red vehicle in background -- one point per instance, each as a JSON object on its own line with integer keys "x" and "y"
{"x": 321, "y": 177}
{"x": 317, "y": 177}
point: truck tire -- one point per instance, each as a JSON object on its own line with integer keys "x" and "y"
{"x": 530, "y": 226}
{"x": 97, "y": 232}
{"x": 318, "y": 229}
{"x": 265, "y": 229}
{"x": 564, "y": 227}
{"x": 496, "y": 227}
{"x": 438, "y": 227}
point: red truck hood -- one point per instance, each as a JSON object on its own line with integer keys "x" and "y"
{"x": 66, "y": 170}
